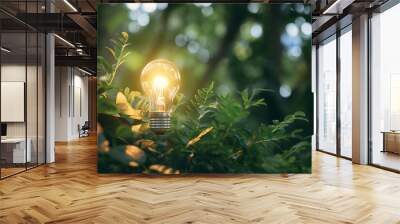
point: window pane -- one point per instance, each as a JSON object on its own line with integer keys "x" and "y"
{"x": 31, "y": 99}
{"x": 346, "y": 94}
{"x": 327, "y": 97}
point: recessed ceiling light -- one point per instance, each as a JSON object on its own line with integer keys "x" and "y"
{"x": 5, "y": 50}
{"x": 64, "y": 40}
{"x": 84, "y": 71}
{"x": 333, "y": 8}
{"x": 70, "y": 5}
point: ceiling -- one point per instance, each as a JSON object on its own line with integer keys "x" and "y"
{"x": 75, "y": 22}
{"x": 330, "y": 15}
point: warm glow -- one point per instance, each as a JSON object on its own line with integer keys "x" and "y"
{"x": 160, "y": 82}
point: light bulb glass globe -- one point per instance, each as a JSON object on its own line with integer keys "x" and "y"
{"x": 160, "y": 80}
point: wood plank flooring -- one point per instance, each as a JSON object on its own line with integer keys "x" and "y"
{"x": 70, "y": 191}
{"x": 11, "y": 170}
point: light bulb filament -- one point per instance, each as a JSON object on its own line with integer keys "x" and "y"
{"x": 159, "y": 84}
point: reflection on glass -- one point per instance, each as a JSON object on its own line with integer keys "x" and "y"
{"x": 385, "y": 84}
{"x": 13, "y": 73}
{"x": 22, "y": 91}
{"x": 327, "y": 97}
{"x": 345, "y": 94}
{"x": 31, "y": 97}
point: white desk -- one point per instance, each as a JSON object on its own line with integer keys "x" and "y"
{"x": 18, "y": 145}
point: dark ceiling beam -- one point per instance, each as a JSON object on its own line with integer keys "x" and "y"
{"x": 337, "y": 7}
{"x": 339, "y": 16}
{"x": 215, "y": 1}
{"x": 329, "y": 15}
{"x": 91, "y": 14}
{"x": 46, "y": 22}
{"x": 87, "y": 51}
{"x": 78, "y": 61}
{"x": 331, "y": 28}
{"x": 89, "y": 30}
{"x": 91, "y": 5}
{"x": 9, "y": 15}
{"x": 322, "y": 23}
{"x": 81, "y": 20}
{"x": 11, "y": 25}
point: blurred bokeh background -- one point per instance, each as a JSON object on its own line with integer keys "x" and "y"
{"x": 237, "y": 46}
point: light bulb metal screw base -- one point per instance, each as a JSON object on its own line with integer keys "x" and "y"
{"x": 159, "y": 122}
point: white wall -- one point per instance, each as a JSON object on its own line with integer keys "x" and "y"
{"x": 62, "y": 81}
{"x": 80, "y": 112}
{"x": 12, "y": 73}
{"x": 71, "y": 102}
{"x": 33, "y": 127}
{"x": 16, "y": 73}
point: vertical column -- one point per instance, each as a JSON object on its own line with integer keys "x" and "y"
{"x": 313, "y": 89}
{"x": 360, "y": 90}
{"x": 92, "y": 101}
{"x": 50, "y": 92}
{"x": 338, "y": 99}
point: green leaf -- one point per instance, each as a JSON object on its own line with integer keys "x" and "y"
{"x": 105, "y": 106}
{"x": 104, "y": 66}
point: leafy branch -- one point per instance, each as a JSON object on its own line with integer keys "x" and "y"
{"x": 118, "y": 53}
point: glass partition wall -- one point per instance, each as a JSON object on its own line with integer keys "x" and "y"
{"x": 334, "y": 94}
{"x": 385, "y": 89}
{"x": 13, "y": 85}
{"x": 22, "y": 98}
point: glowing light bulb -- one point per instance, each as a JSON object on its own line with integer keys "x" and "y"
{"x": 160, "y": 81}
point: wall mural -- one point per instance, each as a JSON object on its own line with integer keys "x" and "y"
{"x": 204, "y": 88}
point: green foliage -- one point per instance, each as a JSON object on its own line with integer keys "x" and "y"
{"x": 118, "y": 53}
{"x": 227, "y": 51}
{"x": 209, "y": 134}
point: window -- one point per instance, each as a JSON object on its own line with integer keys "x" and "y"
{"x": 385, "y": 89}
{"x": 346, "y": 93}
{"x": 327, "y": 96}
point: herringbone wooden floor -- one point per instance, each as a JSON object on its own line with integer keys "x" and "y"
{"x": 70, "y": 191}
